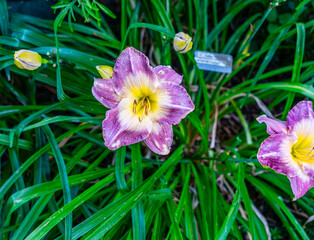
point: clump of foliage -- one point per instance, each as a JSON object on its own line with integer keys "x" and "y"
{"x": 59, "y": 181}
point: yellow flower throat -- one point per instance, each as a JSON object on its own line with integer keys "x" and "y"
{"x": 141, "y": 107}
{"x": 303, "y": 150}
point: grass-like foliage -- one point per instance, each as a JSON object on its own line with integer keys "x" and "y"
{"x": 58, "y": 179}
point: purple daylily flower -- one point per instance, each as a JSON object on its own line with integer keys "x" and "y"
{"x": 290, "y": 148}
{"x": 144, "y": 102}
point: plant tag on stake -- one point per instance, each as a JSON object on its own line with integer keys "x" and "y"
{"x": 214, "y": 62}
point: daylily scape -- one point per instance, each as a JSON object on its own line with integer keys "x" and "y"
{"x": 290, "y": 148}
{"x": 144, "y": 102}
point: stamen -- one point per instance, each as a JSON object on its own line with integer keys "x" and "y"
{"x": 141, "y": 119}
{"x": 143, "y": 102}
{"x": 146, "y": 110}
{"x": 303, "y": 154}
{"x": 134, "y": 106}
{"x": 310, "y": 153}
{"x": 149, "y": 106}
{"x": 142, "y": 107}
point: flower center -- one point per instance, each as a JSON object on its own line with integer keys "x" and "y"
{"x": 141, "y": 107}
{"x": 303, "y": 150}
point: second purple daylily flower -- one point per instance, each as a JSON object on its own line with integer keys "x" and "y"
{"x": 290, "y": 148}
{"x": 144, "y": 102}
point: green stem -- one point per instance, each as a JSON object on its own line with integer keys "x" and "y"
{"x": 256, "y": 30}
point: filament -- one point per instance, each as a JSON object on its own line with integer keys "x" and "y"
{"x": 134, "y": 106}
{"x": 141, "y": 107}
{"x": 310, "y": 153}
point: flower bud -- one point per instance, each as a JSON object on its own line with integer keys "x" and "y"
{"x": 26, "y": 59}
{"x": 105, "y": 71}
{"x": 182, "y": 42}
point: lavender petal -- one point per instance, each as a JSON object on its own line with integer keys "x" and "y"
{"x": 275, "y": 152}
{"x": 175, "y": 104}
{"x": 104, "y": 92}
{"x": 132, "y": 70}
{"x": 300, "y": 185}
{"x": 160, "y": 138}
{"x": 121, "y": 128}
{"x": 303, "y": 110}
{"x": 273, "y": 126}
{"x": 166, "y": 73}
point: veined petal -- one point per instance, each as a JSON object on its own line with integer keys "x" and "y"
{"x": 160, "y": 138}
{"x": 303, "y": 110}
{"x": 275, "y": 152}
{"x": 273, "y": 126}
{"x": 121, "y": 127}
{"x": 166, "y": 73}
{"x": 308, "y": 169}
{"x": 174, "y": 103}
{"x": 300, "y": 185}
{"x": 133, "y": 76}
{"x": 104, "y": 92}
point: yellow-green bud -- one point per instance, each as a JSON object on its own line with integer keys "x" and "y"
{"x": 26, "y": 59}
{"x": 182, "y": 42}
{"x": 105, "y": 71}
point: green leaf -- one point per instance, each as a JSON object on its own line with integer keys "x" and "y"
{"x": 130, "y": 199}
{"x": 22, "y": 196}
{"x": 154, "y": 27}
{"x": 119, "y": 170}
{"x": 298, "y": 59}
{"x": 4, "y": 17}
{"x": 64, "y": 177}
{"x": 284, "y": 18}
{"x": 272, "y": 17}
{"x": 13, "y": 178}
{"x": 233, "y": 211}
{"x": 50, "y": 222}
{"x": 106, "y": 10}
{"x": 138, "y": 216}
